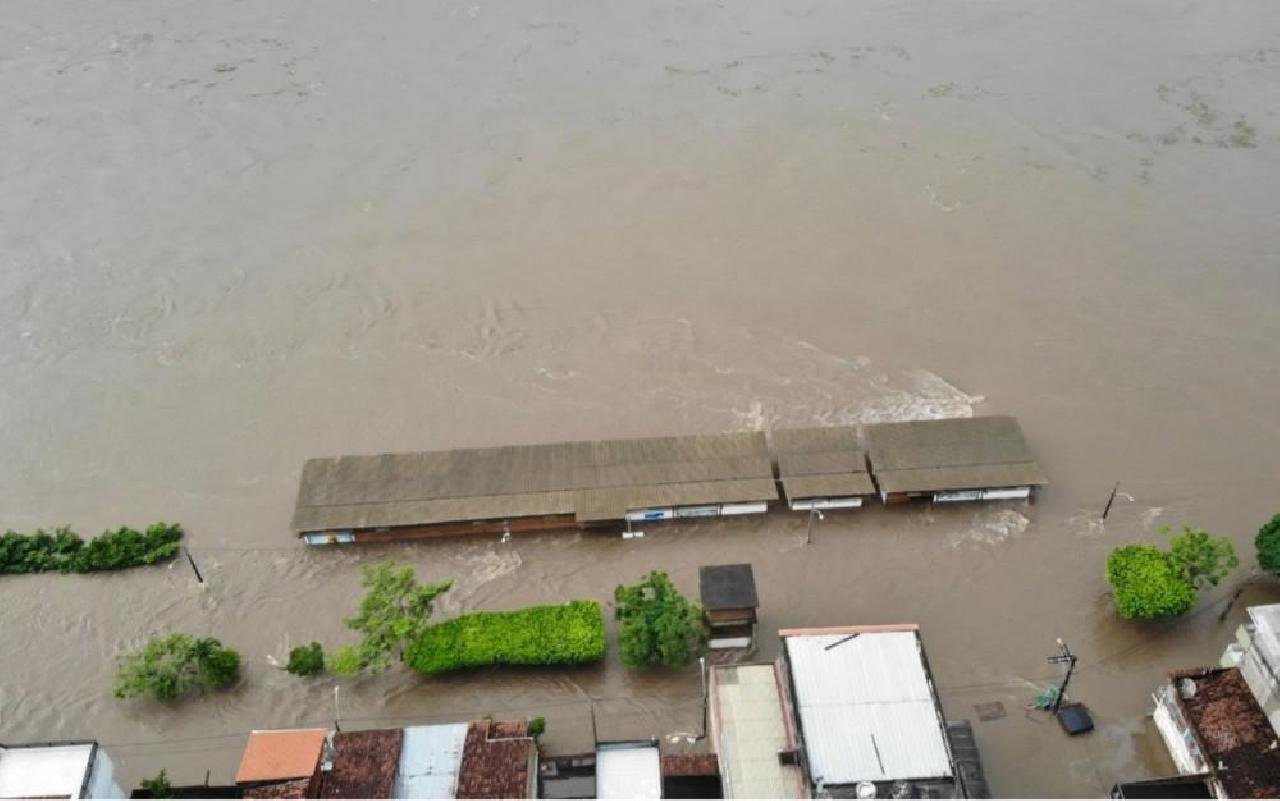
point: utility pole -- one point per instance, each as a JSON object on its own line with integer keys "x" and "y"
{"x": 337, "y": 711}
{"x": 1106, "y": 511}
{"x": 192, "y": 561}
{"x": 1064, "y": 656}
{"x": 702, "y": 672}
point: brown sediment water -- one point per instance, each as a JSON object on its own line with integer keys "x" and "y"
{"x": 238, "y": 236}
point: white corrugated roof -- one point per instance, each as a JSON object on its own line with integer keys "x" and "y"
{"x": 866, "y": 709}
{"x": 429, "y": 761}
{"x": 1266, "y": 622}
{"x": 628, "y": 771}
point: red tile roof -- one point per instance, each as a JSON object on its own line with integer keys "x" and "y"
{"x": 281, "y": 754}
{"x": 496, "y": 760}
{"x": 690, "y": 765}
{"x": 365, "y": 764}
{"x": 1238, "y": 740}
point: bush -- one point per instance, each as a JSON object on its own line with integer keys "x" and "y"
{"x": 537, "y": 726}
{"x": 306, "y": 660}
{"x": 65, "y": 551}
{"x": 173, "y": 666}
{"x": 568, "y": 634}
{"x": 659, "y": 625}
{"x": 1148, "y": 584}
{"x": 158, "y": 786}
{"x": 1268, "y": 545}
{"x": 345, "y": 661}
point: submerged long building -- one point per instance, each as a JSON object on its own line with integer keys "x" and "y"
{"x": 564, "y": 485}
{"x": 524, "y": 488}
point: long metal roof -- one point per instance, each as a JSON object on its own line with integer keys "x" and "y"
{"x": 429, "y": 761}
{"x": 628, "y": 771}
{"x": 866, "y": 705}
{"x": 596, "y": 480}
{"x": 821, "y": 462}
{"x": 952, "y": 454}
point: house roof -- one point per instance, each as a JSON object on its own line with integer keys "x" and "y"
{"x": 496, "y": 760}
{"x": 727, "y": 587}
{"x": 749, "y": 730}
{"x": 364, "y": 764}
{"x": 866, "y": 704}
{"x": 1234, "y": 733}
{"x": 275, "y": 755}
{"x": 628, "y": 770}
{"x": 952, "y": 454}
{"x": 595, "y": 480}
{"x": 295, "y": 788}
{"x": 48, "y": 770}
{"x": 700, "y": 764}
{"x": 823, "y": 462}
{"x": 429, "y": 761}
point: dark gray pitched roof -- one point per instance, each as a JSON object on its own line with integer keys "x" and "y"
{"x": 596, "y": 480}
{"x": 821, "y": 462}
{"x": 953, "y": 454}
{"x": 727, "y": 587}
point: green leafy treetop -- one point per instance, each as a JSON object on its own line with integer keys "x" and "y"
{"x": 537, "y": 726}
{"x": 170, "y": 667}
{"x": 306, "y": 660}
{"x": 659, "y": 625}
{"x": 1203, "y": 559}
{"x": 1268, "y": 545}
{"x": 158, "y": 786}
{"x": 394, "y": 612}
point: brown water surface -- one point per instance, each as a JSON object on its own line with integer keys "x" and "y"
{"x": 237, "y": 235}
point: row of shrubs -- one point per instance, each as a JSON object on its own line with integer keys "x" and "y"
{"x": 66, "y": 552}
{"x": 566, "y": 634}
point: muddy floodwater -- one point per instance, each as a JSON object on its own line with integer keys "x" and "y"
{"x": 237, "y": 235}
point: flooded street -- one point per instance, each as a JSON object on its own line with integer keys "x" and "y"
{"x": 236, "y": 236}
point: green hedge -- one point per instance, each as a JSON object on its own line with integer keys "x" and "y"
{"x": 66, "y": 552}
{"x": 568, "y": 634}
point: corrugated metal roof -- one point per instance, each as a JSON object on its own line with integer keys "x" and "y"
{"x": 528, "y": 480}
{"x": 750, "y": 731}
{"x": 822, "y": 463}
{"x": 429, "y": 761}
{"x": 952, "y": 454}
{"x": 830, "y": 486}
{"x": 631, "y": 771}
{"x": 866, "y": 707}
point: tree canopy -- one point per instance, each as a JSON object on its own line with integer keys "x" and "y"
{"x": 659, "y": 625}
{"x": 1203, "y": 559}
{"x": 1147, "y": 584}
{"x": 395, "y": 611}
{"x": 1268, "y": 544}
{"x": 170, "y": 667}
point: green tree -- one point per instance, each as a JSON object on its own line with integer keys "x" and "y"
{"x": 158, "y": 786}
{"x": 395, "y": 611}
{"x": 1268, "y": 545}
{"x": 345, "y": 661}
{"x": 1203, "y": 559}
{"x": 659, "y": 625}
{"x": 170, "y": 667}
{"x": 1147, "y": 583}
{"x": 306, "y": 660}
{"x": 537, "y": 726}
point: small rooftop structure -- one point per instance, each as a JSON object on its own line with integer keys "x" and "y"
{"x": 68, "y": 769}
{"x": 628, "y": 770}
{"x": 531, "y": 487}
{"x": 729, "y": 601}
{"x": 276, "y": 755}
{"x": 957, "y": 459}
{"x": 750, "y": 731}
{"x": 365, "y": 764}
{"x": 1213, "y": 725}
{"x": 822, "y": 468}
{"x": 867, "y": 709}
{"x": 499, "y": 760}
